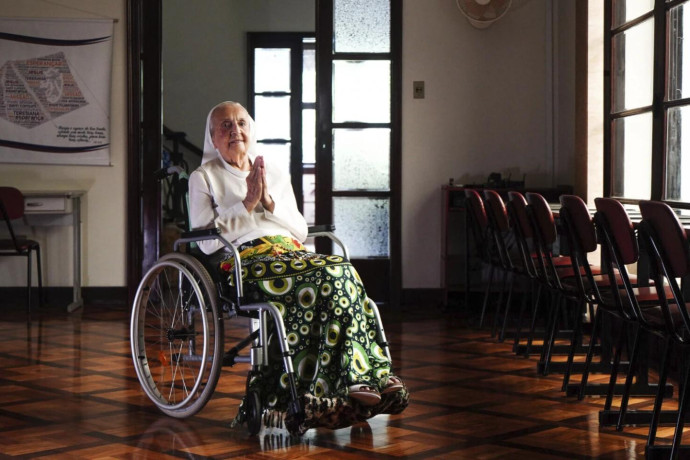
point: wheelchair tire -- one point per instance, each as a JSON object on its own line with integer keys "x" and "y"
{"x": 254, "y": 412}
{"x": 176, "y": 335}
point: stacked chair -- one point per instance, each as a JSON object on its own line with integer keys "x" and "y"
{"x": 582, "y": 241}
{"x": 637, "y": 306}
{"x": 484, "y": 243}
{"x": 553, "y": 272}
{"x": 666, "y": 243}
{"x": 512, "y": 266}
{"x": 516, "y": 238}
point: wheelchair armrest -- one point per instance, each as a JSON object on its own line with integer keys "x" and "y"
{"x": 321, "y": 228}
{"x": 327, "y": 231}
{"x": 201, "y": 234}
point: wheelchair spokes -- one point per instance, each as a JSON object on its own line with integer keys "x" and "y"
{"x": 177, "y": 336}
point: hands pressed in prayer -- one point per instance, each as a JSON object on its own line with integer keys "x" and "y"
{"x": 257, "y": 188}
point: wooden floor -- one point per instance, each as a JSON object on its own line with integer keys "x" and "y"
{"x": 68, "y": 390}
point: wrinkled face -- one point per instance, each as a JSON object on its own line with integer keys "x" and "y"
{"x": 230, "y": 132}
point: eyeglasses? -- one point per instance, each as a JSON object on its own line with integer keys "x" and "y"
{"x": 227, "y": 125}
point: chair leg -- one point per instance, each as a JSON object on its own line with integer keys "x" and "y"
{"x": 518, "y": 326}
{"x": 533, "y": 326}
{"x": 550, "y": 335}
{"x": 663, "y": 373}
{"x": 629, "y": 378}
{"x": 590, "y": 353}
{"x": 682, "y": 408}
{"x": 577, "y": 331}
{"x": 28, "y": 283}
{"x": 504, "y": 280}
{"x": 614, "y": 369}
{"x": 41, "y": 296}
{"x": 509, "y": 300}
{"x": 487, "y": 293}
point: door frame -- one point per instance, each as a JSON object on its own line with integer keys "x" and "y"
{"x": 144, "y": 123}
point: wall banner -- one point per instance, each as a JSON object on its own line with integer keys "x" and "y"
{"x": 55, "y": 91}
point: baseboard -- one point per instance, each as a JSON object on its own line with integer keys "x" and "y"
{"x": 61, "y": 296}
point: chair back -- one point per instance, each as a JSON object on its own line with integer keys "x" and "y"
{"x": 499, "y": 224}
{"x": 11, "y": 208}
{"x": 475, "y": 205}
{"x": 574, "y": 211}
{"x": 543, "y": 222}
{"x": 670, "y": 234}
{"x": 497, "y": 210}
{"x": 620, "y": 248}
{"x": 582, "y": 239}
{"x": 517, "y": 207}
{"x": 477, "y": 219}
{"x": 519, "y": 222}
{"x": 665, "y": 241}
{"x": 613, "y": 217}
{"x": 12, "y": 202}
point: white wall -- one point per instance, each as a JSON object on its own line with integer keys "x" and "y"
{"x": 487, "y": 109}
{"x": 103, "y": 207}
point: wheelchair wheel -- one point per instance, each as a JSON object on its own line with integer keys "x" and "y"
{"x": 254, "y": 412}
{"x": 176, "y": 335}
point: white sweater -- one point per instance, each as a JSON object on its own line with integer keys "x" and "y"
{"x": 216, "y": 191}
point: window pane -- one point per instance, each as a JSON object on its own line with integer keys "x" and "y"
{"x": 678, "y": 21}
{"x": 361, "y": 159}
{"x": 309, "y": 75}
{"x": 633, "y": 63}
{"x": 362, "y": 26}
{"x": 308, "y": 136}
{"x": 363, "y": 224}
{"x": 627, "y": 10}
{"x": 272, "y": 117}
{"x": 678, "y": 154}
{"x": 632, "y": 156}
{"x": 276, "y": 154}
{"x": 272, "y": 69}
{"x": 361, "y": 91}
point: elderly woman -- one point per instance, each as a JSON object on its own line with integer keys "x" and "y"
{"x": 329, "y": 322}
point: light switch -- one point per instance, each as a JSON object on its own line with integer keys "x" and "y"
{"x": 418, "y": 89}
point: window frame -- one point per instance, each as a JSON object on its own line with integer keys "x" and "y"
{"x": 659, "y": 107}
{"x": 295, "y": 42}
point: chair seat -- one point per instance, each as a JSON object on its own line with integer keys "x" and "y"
{"x": 655, "y": 318}
{"x": 568, "y": 272}
{"x": 558, "y": 261}
{"x": 649, "y": 294}
{"x": 24, "y": 245}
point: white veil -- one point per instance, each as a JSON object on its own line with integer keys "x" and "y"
{"x": 210, "y": 151}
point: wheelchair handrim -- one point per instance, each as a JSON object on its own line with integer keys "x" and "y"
{"x": 147, "y": 381}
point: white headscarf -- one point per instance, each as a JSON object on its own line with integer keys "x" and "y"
{"x": 210, "y": 151}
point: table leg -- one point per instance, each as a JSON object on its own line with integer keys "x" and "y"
{"x": 77, "y": 301}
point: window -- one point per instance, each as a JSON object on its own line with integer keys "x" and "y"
{"x": 282, "y": 100}
{"x": 647, "y": 100}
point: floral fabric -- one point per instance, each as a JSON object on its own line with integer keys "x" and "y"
{"x": 330, "y": 324}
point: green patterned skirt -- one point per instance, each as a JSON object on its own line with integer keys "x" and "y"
{"x": 331, "y": 328}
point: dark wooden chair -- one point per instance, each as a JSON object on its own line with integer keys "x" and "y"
{"x": 667, "y": 245}
{"x": 514, "y": 267}
{"x": 484, "y": 243}
{"x": 12, "y": 208}
{"x": 637, "y": 306}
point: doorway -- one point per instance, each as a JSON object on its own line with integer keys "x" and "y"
{"x": 381, "y": 272}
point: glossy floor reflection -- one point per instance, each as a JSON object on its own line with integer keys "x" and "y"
{"x": 69, "y": 391}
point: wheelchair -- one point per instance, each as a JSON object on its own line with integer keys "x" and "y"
{"x": 177, "y": 332}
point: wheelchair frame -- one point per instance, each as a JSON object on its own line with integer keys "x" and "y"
{"x": 177, "y": 360}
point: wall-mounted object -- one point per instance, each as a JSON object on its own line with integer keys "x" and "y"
{"x": 482, "y": 13}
